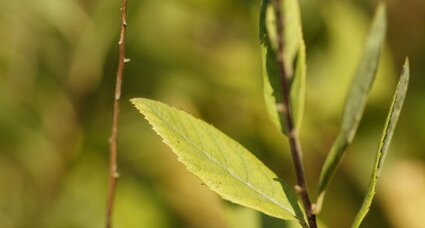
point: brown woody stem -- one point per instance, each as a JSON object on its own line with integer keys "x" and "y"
{"x": 113, "y": 173}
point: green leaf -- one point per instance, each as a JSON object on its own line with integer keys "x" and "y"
{"x": 356, "y": 99}
{"x": 224, "y": 165}
{"x": 294, "y": 58}
{"x": 297, "y": 93}
{"x": 387, "y": 135}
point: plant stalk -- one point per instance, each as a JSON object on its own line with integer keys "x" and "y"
{"x": 113, "y": 173}
{"x": 286, "y": 112}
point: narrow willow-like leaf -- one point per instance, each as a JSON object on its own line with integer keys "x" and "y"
{"x": 294, "y": 59}
{"x": 356, "y": 99}
{"x": 387, "y": 135}
{"x": 224, "y": 165}
{"x": 298, "y": 83}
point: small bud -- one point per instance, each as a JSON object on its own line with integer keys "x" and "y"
{"x": 298, "y": 188}
{"x": 314, "y": 209}
{"x": 281, "y": 107}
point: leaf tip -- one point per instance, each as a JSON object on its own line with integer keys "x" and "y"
{"x": 406, "y": 66}
{"x": 142, "y": 104}
{"x": 381, "y": 13}
{"x": 405, "y": 74}
{"x": 133, "y": 100}
{"x": 382, "y": 7}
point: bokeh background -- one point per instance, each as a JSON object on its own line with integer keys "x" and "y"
{"x": 57, "y": 71}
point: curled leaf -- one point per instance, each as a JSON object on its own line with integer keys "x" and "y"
{"x": 387, "y": 135}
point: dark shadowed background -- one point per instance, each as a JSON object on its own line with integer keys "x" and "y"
{"x": 57, "y": 71}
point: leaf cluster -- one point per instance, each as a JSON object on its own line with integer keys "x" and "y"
{"x": 234, "y": 173}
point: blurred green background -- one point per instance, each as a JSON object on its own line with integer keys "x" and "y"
{"x": 57, "y": 72}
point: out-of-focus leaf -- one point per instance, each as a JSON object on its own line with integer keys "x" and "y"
{"x": 356, "y": 99}
{"x": 242, "y": 217}
{"x": 387, "y": 135}
{"x": 224, "y": 165}
{"x": 294, "y": 58}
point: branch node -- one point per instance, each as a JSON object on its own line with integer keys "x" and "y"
{"x": 298, "y": 189}
{"x": 117, "y": 96}
{"x": 281, "y": 107}
{"x": 314, "y": 209}
{"x": 293, "y": 133}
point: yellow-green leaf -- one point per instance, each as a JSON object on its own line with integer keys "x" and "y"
{"x": 387, "y": 135}
{"x": 294, "y": 59}
{"x": 224, "y": 165}
{"x": 356, "y": 98}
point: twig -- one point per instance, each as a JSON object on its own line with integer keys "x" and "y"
{"x": 113, "y": 173}
{"x": 296, "y": 151}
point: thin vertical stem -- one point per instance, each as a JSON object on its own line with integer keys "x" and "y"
{"x": 295, "y": 146}
{"x": 113, "y": 173}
